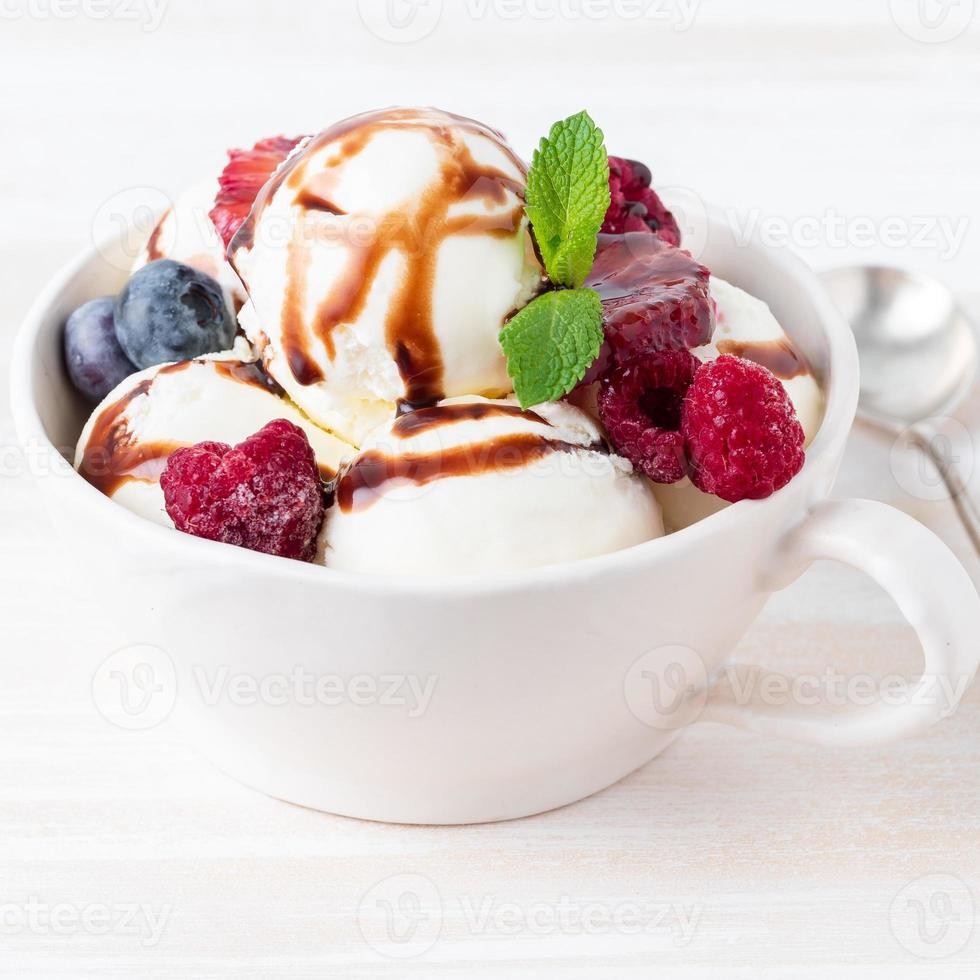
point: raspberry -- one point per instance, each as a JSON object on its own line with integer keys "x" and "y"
{"x": 265, "y": 494}
{"x": 242, "y": 179}
{"x": 654, "y": 296}
{"x": 640, "y": 406}
{"x": 742, "y": 435}
{"x": 634, "y": 205}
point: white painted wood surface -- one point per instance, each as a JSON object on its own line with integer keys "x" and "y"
{"x": 741, "y": 859}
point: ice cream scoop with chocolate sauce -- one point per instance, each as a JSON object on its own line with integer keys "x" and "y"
{"x": 474, "y": 485}
{"x": 129, "y": 437}
{"x": 381, "y": 262}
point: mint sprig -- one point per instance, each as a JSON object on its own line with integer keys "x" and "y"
{"x": 551, "y": 343}
{"x": 568, "y": 196}
{"x": 554, "y": 340}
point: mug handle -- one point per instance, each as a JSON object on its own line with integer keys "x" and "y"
{"x": 933, "y": 592}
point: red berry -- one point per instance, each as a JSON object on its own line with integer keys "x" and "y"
{"x": 264, "y": 494}
{"x": 654, "y": 296}
{"x": 741, "y": 432}
{"x": 640, "y": 406}
{"x": 245, "y": 175}
{"x": 634, "y": 205}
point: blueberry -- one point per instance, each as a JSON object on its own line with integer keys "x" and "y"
{"x": 96, "y": 362}
{"x": 171, "y": 312}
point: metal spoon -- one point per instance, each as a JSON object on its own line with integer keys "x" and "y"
{"x": 918, "y": 353}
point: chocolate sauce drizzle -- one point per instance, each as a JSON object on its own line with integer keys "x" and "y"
{"x": 361, "y": 483}
{"x": 403, "y": 407}
{"x": 415, "y": 236}
{"x": 112, "y": 456}
{"x": 250, "y": 373}
{"x": 425, "y": 419}
{"x": 779, "y": 356}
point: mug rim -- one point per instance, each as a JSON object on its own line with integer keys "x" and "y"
{"x": 840, "y": 387}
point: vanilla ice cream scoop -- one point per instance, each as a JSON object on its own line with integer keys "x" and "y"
{"x": 476, "y": 485}
{"x": 127, "y": 440}
{"x": 381, "y": 262}
{"x": 185, "y": 233}
{"x": 746, "y": 327}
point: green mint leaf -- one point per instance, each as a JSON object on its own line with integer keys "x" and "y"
{"x": 567, "y": 198}
{"x": 551, "y": 343}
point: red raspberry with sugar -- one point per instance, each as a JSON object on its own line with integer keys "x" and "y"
{"x": 264, "y": 494}
{"x": 742, "y": 437}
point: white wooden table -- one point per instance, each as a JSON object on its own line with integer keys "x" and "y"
{"x": 124, "y": 854}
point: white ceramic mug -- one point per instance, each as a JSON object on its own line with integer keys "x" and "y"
{"x": 532, "y": 689}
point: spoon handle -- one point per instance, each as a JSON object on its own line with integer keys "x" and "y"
{"x": 925, "y": 439}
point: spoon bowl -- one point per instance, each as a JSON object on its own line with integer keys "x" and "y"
{"x": 917, "y": 348}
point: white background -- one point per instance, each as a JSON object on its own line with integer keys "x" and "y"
{"x": 850, "y": 129}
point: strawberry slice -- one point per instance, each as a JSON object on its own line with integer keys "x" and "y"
{"x": 242, "y": 179}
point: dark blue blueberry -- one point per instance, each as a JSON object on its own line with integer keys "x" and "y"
{"x": 96, "y": 362}
{"x": 171, "y": 312}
